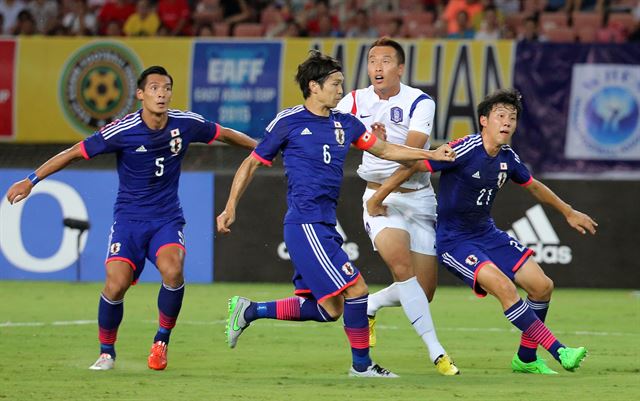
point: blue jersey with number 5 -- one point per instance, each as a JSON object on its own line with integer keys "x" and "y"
{"x": 469, "y": 186}
{"x": 149, "y": 161}
{"x": 313, "y": 150}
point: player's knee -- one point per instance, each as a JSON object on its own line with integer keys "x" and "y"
{"x": 173, "y": 277}
{"x": 402, "y": 271}
{"x": 543, "y": 291}
{"x": 504, "y": 289}
{"x": 115, "y": 289}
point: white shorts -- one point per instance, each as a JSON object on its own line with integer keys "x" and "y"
{"x": 413, "y": 212}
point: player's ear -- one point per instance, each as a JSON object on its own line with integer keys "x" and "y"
{"x": 483, "y": 121}
{"x": 401, "y": 69}
{"x": 139, "y": 94}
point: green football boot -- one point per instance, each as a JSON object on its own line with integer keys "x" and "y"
{"x": 539, "y": 366}
{"x": 570, "y": 358}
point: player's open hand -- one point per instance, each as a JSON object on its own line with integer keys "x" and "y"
{"x": 376, "y": 208}
{"x": 582, "y": 222}
{"x": 379, "y": 130}
{"x": 225, "y": 220}
{"x": 19, "y": 191}
{"x": 444, "y": 153}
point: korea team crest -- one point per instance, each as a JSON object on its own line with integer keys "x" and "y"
{"x": 396, "y": 115}
{"x": 339, "y": 133}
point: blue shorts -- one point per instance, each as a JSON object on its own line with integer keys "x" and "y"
{"x": 322, "y": 268}
{"x": 466, "y": 258}
{"x": 132, "y": 241}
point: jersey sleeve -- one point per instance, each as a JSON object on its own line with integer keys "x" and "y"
{"x": 205, "y": 131}
{"x": 421, "y": 115}
{"x": 100, "y": 142}
{"x": 358, "y": 134}
{"x": 520, "y": 174}
{"x": 275, "y": 136}
{"x": 461, "y": 147}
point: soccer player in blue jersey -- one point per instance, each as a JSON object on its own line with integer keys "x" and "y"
{"x": 476, "y": 251}
{"x": 148, "y": 221}
{"x": 314, "y": 140}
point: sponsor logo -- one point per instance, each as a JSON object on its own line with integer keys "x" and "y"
{"x": 141, "y": 149}
{"x": 347, "y": 268}
{"x": 396, "y": 115}
{"x": 98, "y": 85}
{"x": 306, "y": 131}
{"x": 604, "y": 112}
{"x": 536, "y": 232}
{"x": 471, "y": 260}
{"x": 476, "y": 175}
{"x": 365, "y": 116}
{"x": 114, "y": 248}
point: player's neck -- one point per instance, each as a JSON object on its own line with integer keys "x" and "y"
{"x": 490, "y": 147}
{"x": 385, "y": 95}
{"x": 316, "y": 107}
{"x": 154, "y": 121}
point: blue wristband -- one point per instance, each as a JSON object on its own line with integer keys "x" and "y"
{"x": 33, "y": 178}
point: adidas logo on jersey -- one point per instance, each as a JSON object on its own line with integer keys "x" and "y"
{"x": 535, "y": 231}
{"x": 306, "y": 131}
{"x": 476, "y": 175}
{"x": 141, "y": 149}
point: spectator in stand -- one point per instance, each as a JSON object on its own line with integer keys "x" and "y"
{"x": 452, "y": 11}
{"x": 176, "y": 16}
{"x": 208, "y": 12}
{"x": 204, "y": 31}
{"x": 396, "y": 28}
{"x": 508, "y": 7}
{"x": 45, "y": 13}
{"x": 1, "y": 23}
{"x": 557, "y": 5}
{"x": 489, "y": 27}
{"x": 26, "y": 24}
{"x": 10, "y": 9}
{"x": 362, "y": 28}
{"x": 610, "y": 33}
{"x": 114, "y": 29}
{"x": 587, "y": 5}
{"x": 236, "y": 11}
{"x": 114, "y": 10}
{"x": 79, "y": 21}
{"x": 531, "y": 31}
{"x": 144, "y": 22}
{"x": 465, "y": 30}
{"x": 534, "y": 7}
{"x": 478, "y": 19}
{"x": 326, "y": 28}
{"x": 320, "y": 10}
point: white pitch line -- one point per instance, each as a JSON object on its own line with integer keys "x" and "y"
{"x": 308, "y": 324}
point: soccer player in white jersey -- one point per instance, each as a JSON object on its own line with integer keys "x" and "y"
{"x": 148, "y": 220}
{"x": 403, "y": 229}
{"x": 314, "y": 140}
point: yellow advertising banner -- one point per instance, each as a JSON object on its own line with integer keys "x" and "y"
{"x": 67, "y": 88}
{"x": 456, "y": 74}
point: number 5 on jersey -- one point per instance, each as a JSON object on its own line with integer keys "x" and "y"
{"x": 160, "y": 166}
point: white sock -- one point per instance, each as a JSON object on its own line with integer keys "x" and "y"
{"x": 385, "y": 297}
{"x": 416, "y": 307}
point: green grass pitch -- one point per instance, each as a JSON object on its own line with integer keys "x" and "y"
{"x": 48, "y": 339}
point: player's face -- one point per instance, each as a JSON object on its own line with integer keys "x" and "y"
{"x": 156, "y": 95}
{"x": 331, "y": 92}
{"x": 500, "y": 124}
{"x": 384, "y": 69}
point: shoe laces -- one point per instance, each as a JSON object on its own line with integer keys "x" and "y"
{"x": 380, "y": 370}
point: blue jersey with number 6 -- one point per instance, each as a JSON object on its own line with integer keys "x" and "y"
{"x": 149, "y": 161}
{"x": 313, "y": 150}
{"x": 469, "y": 186}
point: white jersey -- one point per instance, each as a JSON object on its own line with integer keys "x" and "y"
{"x": 410, "y": 110}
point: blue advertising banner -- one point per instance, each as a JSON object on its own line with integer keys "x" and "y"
{"x": 237, "y": 84}
{"x": 581, "y": 112}
{"x": 35, "y": 245}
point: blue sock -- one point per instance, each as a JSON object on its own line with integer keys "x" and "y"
{"x": 356, "y": 326}
{"x": 521, "y": 316}
{"x": 109, "y": 319}
{"x": 527, "y": 350}
{"x": 169, "y": 304}
{"x": 294, "y": 308}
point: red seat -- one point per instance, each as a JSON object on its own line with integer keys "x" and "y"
{"x": 553, "y": 20}
{"x": 248, "y": 29}
{"x": 561, "y": 35}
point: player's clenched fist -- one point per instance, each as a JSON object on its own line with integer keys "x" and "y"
{"x": 445, "y": 153}
{"x": 19, "y": 191}
{"x": 225, "y": 220}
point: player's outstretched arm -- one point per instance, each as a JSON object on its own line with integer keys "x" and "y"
{"x": 402, "y": 174}
{"x": 236, "y": 138}
{"x": 576, "y": 219}
{"x": 241, "y": 181}
{"x": 21, "y": 189}
{"x": 400, "y": 153}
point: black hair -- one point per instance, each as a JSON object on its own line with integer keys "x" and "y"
{"x": 317, "y": 67}
{"x": 156, "y": 69}
{"x": 385, "y": 41}
{"x": 509, "y": 96}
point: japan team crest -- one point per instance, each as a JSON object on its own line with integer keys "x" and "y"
{"x": 471, "y": 260}
{"x": 114, "y": 248}
{"x": 347, "y": 268}
{"x": 339, "y": 132}
{"x": 396, "y": 114}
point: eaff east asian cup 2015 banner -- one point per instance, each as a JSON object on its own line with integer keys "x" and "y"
{"x": 237, "y": 84}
